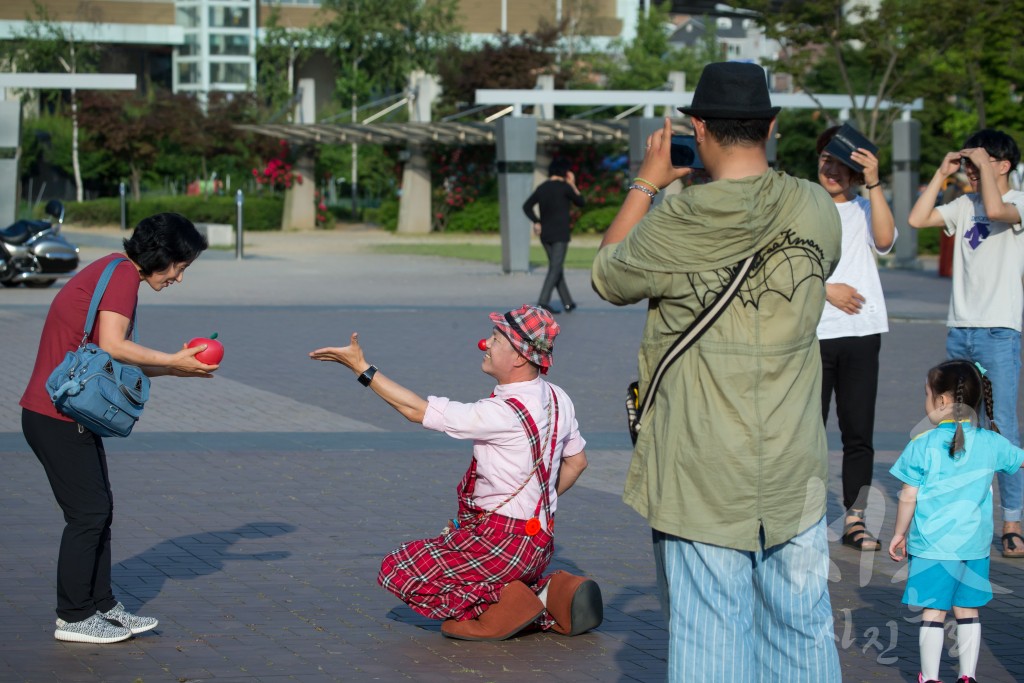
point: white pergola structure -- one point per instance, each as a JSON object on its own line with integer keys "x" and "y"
{"x": 10, "y": 120}
{"x": 515, "y": 190}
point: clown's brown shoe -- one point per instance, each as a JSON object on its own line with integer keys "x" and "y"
{"x": 517, "y": 608}
{"x": 574, "y": 602}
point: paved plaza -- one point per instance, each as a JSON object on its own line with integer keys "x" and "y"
{"x": 252, "y": 510}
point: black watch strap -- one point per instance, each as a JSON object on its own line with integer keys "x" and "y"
{"x": 367, "y": 375}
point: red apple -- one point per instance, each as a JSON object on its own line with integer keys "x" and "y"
{"x": 213, "y": 354}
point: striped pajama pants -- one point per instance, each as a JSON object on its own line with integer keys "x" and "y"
{"x": 736, "y": 615}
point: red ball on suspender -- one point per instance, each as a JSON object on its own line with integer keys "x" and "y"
{"x": 532, "y": 526}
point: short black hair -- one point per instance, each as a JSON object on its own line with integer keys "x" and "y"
{"x": 558, "y": 167}
{"x": 998, "y": 144}
{"x": 162, "y": 240}
{"x": 739, "y": 131}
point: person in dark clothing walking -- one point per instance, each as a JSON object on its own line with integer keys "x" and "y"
{"x": 555, "y": 197}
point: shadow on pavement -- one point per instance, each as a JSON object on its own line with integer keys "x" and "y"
{"x": 190, "y": 557}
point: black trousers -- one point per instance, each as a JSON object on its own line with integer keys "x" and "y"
{"x": 76, "y": 466}
{"x": 556, "y": 274}
{"x": 850, "y": 370}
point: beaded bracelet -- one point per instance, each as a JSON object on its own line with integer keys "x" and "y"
{"x": 648, "y": 183}
{"x": 643, "y": 189}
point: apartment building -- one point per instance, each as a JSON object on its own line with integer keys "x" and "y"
{"x": 203, "y": 46}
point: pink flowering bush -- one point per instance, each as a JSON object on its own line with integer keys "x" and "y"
{"x": 277, "y": 173}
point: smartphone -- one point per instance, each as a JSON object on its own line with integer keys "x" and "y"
{"x": 684, "y": 152}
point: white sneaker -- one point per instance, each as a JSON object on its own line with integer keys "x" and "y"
{"x": 95, "y": 629}
{"x": 136, "y": 624}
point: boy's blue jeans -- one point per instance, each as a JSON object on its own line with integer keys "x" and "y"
{"x": 998, "y": 351}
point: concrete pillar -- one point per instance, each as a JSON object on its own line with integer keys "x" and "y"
{"x": 300, "y": 201}
{"x": 639, "y": 129}
{"x": 414, "y": 203}
{"x": 517, "y": 146}
{"x": 305, "y": 108}
{"x": 10, "y": 138}
{"x": 545, "y": 112}
{"x": 906, "y": 152}
{"x": 676, "y": 83}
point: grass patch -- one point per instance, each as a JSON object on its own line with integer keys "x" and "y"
{"x": 581, "y": 258}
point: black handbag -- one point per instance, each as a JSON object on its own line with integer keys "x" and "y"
{"x": 96, "y": 391}
{"x": 635, "y": 406}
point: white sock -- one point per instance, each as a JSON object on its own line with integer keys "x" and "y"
{"x": 968, "y": 644}
{"x": 931, "y": 639}
{"x": 543, "y": 595}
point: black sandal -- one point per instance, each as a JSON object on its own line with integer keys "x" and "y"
{"x": 1011, "y": 547}
{"x": 856, "y": 535}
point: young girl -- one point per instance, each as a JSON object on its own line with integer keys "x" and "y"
{"x": 946, "y": 503}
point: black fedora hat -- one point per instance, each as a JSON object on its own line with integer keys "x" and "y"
{"x": 731, "y": 90}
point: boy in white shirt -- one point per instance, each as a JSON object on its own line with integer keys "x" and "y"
{"x": 987, "y": 300}
{"x": 852, "y": 323}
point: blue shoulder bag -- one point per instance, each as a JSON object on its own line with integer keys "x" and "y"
{"x": 96, "y": 391}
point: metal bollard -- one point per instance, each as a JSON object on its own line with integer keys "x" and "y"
{"x": 124, "y": 211}
{"x": 238, "y": 227}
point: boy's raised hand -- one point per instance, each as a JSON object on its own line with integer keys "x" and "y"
{"x": 950, "y": 164}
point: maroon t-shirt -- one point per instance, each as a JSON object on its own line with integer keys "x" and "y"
{"x": 65, "y": 323}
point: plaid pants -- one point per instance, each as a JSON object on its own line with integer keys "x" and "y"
{"x": 458, "y": 575}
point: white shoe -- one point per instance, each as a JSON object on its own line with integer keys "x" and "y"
{"x": 95, "y": 629}
{"x": 136, "y": 624}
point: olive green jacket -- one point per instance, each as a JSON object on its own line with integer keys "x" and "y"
{"x": 734, "y": 441}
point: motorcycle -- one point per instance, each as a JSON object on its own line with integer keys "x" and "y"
{"x": 35, "y": 253}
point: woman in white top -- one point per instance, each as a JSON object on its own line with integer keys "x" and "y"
{"x": 852, "y": 324}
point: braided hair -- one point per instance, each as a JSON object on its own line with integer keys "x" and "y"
{"x": 970, "y": 388}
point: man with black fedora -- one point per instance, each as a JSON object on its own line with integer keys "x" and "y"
{"x": 730, "y": 463}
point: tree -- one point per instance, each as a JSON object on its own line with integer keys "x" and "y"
{"x": 128, "y": 128}
{"x": 646, "y": 61}
{"x": 886, "y": 49}
{"x": 376, "y": 45}
{"x": 510, "y": 62}
{"x": 277, "y": 54}
{"x": 46, "y": 46}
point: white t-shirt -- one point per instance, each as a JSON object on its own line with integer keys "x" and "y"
{"x": 857, "y": 267}
{"x": 988, "y": 262}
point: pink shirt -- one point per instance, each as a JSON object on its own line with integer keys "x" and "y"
{"x": 500, "y": 444}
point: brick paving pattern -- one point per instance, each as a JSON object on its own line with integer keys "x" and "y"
{"x": 252, "y": 510}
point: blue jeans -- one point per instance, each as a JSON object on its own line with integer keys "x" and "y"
{"x": 998, "y": 351}
{"x": 736, "y": 615}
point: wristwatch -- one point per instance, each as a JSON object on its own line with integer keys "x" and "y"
{"x": 367, "y": 375}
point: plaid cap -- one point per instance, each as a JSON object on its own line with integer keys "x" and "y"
{"x": 532, "y": 332}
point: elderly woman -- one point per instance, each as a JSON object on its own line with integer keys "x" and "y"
{"x": 158, "y": 252}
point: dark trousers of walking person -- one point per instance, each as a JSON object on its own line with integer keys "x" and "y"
{"x": 76, "y": 466}
{"x": 556, "y": 275}
{"x": 850, "y": 370}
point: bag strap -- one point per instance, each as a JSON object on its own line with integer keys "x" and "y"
{"x": 694, "y": 332}
{"x": 97, "y": 296}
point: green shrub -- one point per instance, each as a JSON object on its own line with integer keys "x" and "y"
{"x": 258, "y": 213}
{"x": 928, "y": 240}
{"x": 385, "y": 215}
{"x": 482, "y": 215}
{"x": 596, "y": 220}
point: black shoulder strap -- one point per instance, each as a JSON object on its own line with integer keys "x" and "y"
{"x": 694, "y": 332}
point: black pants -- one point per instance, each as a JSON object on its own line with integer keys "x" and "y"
{"x": 76, "y": 466}
{"x": 556, "y": 274}
{"x": 850, "y": 369}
